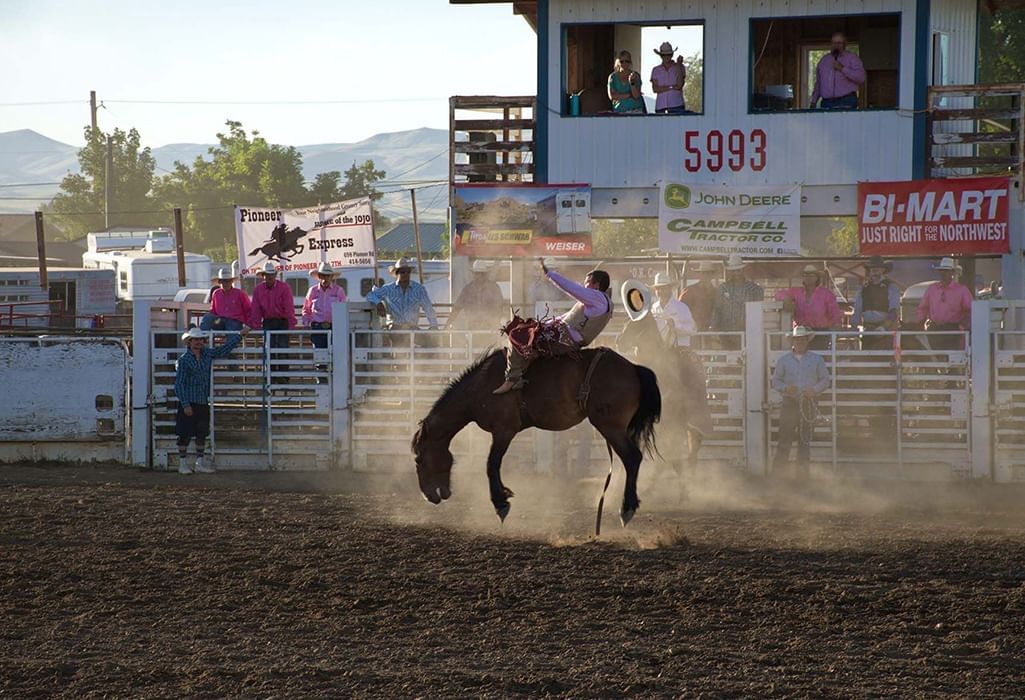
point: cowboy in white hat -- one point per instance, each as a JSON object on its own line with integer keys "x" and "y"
{"x": 812, "y": 305}
{"x": 729, "y": 311}
{"x": 273, "y": 309}
{"x": 674, "y": 319}
{"x": 229, "y": 306}
{"x": 667, "y": 81}
{"x": 877, "y": 305}
{"x": 480, "y": 305}
{"x": 402, "y": 301}
{"x": 800, "y": 376}
{"x": 946, "y": 306}
{"x": 316, "y": 312}
{"x": 192, "y": 390}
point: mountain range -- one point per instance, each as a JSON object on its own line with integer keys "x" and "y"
{"x": 29, "y": 157}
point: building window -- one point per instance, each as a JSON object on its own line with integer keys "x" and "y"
{"x": 786, "y": 53}
{"x": 590, "y": 53}
{"x": 123, "y": 278}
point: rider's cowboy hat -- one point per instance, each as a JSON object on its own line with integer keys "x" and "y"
{"x": 268, "y": 268}
{"x": 945, "y": 264}
{"x": 802, "y": 332}
{"x": 481, "y": 266}
{"x": 636, "y": 298}
{"x": 324, "y": 270}
{"x": 225, "y": 274}
{"x": 666, "y": 49}
{"x": 194, "y": 334}
{"x": 734, "y": 262}
{"x": 401, "y": 264}
{"x": 877, "y": 261}
{"x": 663, "y": 280}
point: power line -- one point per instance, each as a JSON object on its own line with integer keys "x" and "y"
{"x": 30, "y": 184}
{"x": 417, "y": 167}
{"x": 39, "y": 104}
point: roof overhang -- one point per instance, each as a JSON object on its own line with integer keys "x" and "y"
{"x": 525, "y": 8}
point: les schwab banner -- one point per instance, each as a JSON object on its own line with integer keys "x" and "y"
{"x": 934, "y": 217}
{"x": 340, "y": 234}
{"x": 759, "y": 221}
{"x": 522, "y": 220}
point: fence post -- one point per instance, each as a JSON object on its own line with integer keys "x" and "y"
{"x": 340, "y": 389}
{"x": 756, "y": 352}
{"x": 139, "y": 394}
{"x": 981, "y": 387}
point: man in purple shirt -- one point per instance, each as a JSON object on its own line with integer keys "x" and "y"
{"x": 837, "y": 77}
{"x": 320, "y": 297}
{"x": 667, "y": 80}
{"x": 573, "y": 330}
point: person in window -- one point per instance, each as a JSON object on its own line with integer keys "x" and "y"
{"x": 667, "y": 80}
{"x": 625, "y": 87}
{"x": 837, "y": 77}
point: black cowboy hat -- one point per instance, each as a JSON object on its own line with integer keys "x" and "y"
{"x": 877, "y": 261}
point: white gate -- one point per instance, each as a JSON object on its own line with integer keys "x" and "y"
{"x": 1008, "y": 405}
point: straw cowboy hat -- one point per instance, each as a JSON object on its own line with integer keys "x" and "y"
{"x": 400, "y": 264}
{"x": 225, "y": 274}
{"x": 324, "y": 270}
{"x": 666, "y": 49}
{"x": 734, "y": 262}
{"x": 812, "y": 270}
{"x": 663, "y": 280}
{"x": 268, "y": 268}
{"x": 636, "y": 298}
{"x": 481, "y": 266}
{"x": 802, "y": 332}
{"x": 194, "y": 334}
{"x": 877, "y": 261}
{"x": 946, "y": 264}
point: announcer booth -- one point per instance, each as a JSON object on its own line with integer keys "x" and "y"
{"x": 750, "y": 135}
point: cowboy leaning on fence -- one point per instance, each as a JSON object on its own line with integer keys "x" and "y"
{"x": 533, "y": 338}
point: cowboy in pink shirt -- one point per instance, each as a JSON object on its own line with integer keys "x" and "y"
{"x": 317, "y": 307}
{"x": 945, "y": 306}
{"x": 229, "y": 306}
{"x": 273, "y": 309}
{"x": 812, "y": 305}
{"x": 837, "y": 77}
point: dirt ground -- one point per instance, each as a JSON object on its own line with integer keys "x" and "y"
{"x": 129, "y": 583}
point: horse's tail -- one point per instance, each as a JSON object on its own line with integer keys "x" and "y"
{"x": 649, "y": 411}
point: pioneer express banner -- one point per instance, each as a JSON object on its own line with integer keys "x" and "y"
{"x": 340, "y": 234}
{"x": 759, "y": 221}
{"x": 522, "y": 220}
{"x": 934, "y": 217}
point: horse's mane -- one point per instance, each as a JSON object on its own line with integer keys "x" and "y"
{"x": 464, "y": 376}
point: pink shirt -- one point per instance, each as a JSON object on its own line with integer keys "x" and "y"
{"x": 830, "y": 82}
{"x": 594, "y": 300}
{"x": 667, "y": 76}
{"x": 945, "y": 304}
{"x": 820, "y": 312}
{"x": 233, "y": 304}
{"x": 273, "y": 302}
{"x": 317, "y": 307}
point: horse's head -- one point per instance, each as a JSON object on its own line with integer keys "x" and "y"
{"x": 433, "y": 465}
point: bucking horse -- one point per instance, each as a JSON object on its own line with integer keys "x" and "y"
{"x": 281, "y": 242}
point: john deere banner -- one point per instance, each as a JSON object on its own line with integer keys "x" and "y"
{"x": 522, "y": 220}
{"x": 933, "y": 217}
{"x": 340, "y": 234}
{"x": 759, "y": 221}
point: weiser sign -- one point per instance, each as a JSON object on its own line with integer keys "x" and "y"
{"x": 934, "y": 217}
{"x": 340, "y": 234}
{"x": 758, "y": 221}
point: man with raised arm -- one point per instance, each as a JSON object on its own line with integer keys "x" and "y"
{"x": 577, "y": 328}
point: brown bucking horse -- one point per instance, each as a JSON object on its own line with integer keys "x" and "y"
{"x": 621, "y": 399}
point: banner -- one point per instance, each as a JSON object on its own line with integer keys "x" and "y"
{"x": 934, "y": 217}
{"x": 522, "y": 220}
{"x": 758, "y": 221}
{"x": 340, "y": 234}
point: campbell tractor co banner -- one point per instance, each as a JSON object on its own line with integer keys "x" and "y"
{"x": 340, "y": 234}
{"x": 760, "y": 221}
{"x": 522, "y": 220}
{"x": 934, "y": 217}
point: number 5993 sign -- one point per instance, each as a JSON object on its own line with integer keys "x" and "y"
{"x": 714, "y": 151}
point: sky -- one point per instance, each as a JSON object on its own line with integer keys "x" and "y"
{"x": 392, "y": 64}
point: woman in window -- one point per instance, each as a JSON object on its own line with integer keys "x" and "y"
{"x": 625, "y": 86}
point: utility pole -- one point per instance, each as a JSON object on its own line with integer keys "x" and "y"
{"x": 416, "y": 234}
{"x": 108, "y": 184}
{"x": 41, "y": 250}
{"x": 179, "y": 245}
{"x": 92, "y": 108}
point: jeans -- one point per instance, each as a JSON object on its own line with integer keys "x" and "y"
{"x": 681, "y": 109}
{"x": 793, "y": 425}
{"x": 213, "y": 322}
{"x": 319, "y": 340}
{"x": 846, "y": 102}
{"x": 276, "y": 341}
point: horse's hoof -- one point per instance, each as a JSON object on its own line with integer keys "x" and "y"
{"x": 502, "y": 511}
{"x": 444, "y": 492}
{"x": 507, "y": 492}
{"x": 626, "y": 516}
{"x": 433, "y": 498}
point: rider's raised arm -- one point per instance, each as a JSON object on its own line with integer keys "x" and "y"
{"x": 594, "y": 300}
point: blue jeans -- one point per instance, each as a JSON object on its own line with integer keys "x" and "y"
{"x": 212, "y": 322}
{"x": 319, "y": 340}
{"x": 846, "y": 102}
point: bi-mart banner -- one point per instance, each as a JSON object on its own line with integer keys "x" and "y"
{"x": 340, "y": 234}
{"x": 758, "y": 221}
{"x": 522, "y": 220}
{"x": 934, "y": 217}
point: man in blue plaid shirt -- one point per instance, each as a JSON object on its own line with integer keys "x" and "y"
{"x": 192, "y": 388}
{"x": 403, "y": 299}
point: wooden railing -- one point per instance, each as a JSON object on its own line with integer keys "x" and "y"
{"x": 491, "y": 139}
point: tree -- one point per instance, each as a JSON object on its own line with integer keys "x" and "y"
{"x": 1001, "y": 46}
{"x": 843, "y": 239}
{"x": 693, "y": 89}
{"x": 620, "y": 238}
{"x": 81, "y": 202}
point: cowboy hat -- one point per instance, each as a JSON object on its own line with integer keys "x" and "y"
{"x": 225, "y": 274}
{"x": 663, "y": 280}
{"x": 481, "y": 266}
{"x": 945, "y": 264}
{"x": 666, "y": 49}
{"x": 194, "y": 334}
{"x": 811, "y": 270}
{"x": 324, "y": 270}
{"x": 400, "y": 264}
{"x": 734, "y": 262}
{"x": 268, "y": 268}
{"x": 877, "y": 261}
{"x": 802, "y": 332}
{"x": 636, "y": 299}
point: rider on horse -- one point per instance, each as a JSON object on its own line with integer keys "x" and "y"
{"x": 566, "y": 334}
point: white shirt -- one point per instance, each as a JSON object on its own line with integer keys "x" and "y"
{"x": 679, "y": 314}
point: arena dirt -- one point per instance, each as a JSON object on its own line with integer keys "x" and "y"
{"x": 126, "y": 583}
